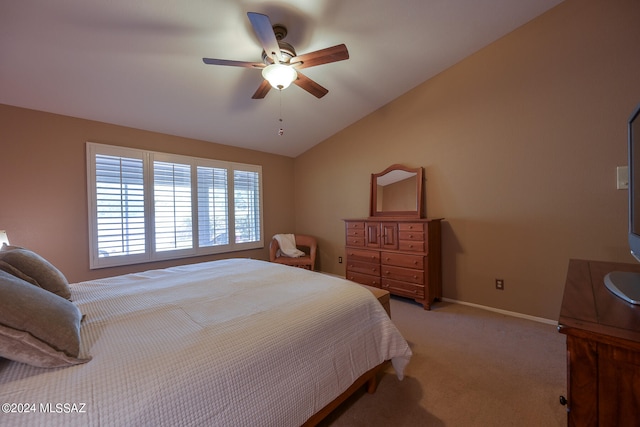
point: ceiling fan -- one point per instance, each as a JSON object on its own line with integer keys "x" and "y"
{"x": 280, "y": 63}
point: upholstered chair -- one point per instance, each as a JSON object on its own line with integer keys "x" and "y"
{"x": 307, "y": 244}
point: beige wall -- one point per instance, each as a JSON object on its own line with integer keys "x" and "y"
{"x": 43, "y": 195}
{"x": 520, "y": 144}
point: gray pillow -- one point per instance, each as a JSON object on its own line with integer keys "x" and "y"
{"x": 37, "y": 327}
{"x": 37, "y": 268}
{"x": 15, "y": 272}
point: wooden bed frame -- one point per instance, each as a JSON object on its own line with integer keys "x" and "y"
{"x": 370, "y": 378}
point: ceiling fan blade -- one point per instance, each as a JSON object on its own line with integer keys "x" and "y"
{"x": 310, "y": 86}
{"x": 264, "y": 30}
{"x": 212, "y": 61}
{"x": 262, "y": 91}
{"x": 319, "y": 57}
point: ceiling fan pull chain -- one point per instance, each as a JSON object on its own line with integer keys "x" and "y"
{"x": 280, "y": 131}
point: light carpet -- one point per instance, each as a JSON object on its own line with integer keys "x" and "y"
{"x": 471, "y": 367}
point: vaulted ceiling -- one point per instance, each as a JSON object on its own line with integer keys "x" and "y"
{"x": 139, "y": 63}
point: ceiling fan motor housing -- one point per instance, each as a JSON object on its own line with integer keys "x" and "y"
{"x": 280, "y": 31}
{"x": 286, "y": 49}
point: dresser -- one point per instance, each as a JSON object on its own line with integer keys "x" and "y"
{"x": 402, "y": 256}
{"x": 603, "y": 348}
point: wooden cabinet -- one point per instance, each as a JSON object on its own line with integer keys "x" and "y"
{"x": 402, "y": 256}
{"x": 603, "y": 348}
{"x": 381, "y": 234}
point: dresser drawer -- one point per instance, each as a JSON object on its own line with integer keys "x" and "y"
{"x": 397, "y": 287}
{"x": 412, "y": 226}
{"x": 402, "y": 260}
{"x": 355, "y": 232}
{"x": 403, "y": 274}
{"x": 363, "y": 267}
{"x": 364, "y": 279}
{"x": 411, "y": 235}
{"x": 355, "y": 241}
{"x": 363, "y": 255}
{"x": 355, "y": 225}
{"x": 412, "y": 246}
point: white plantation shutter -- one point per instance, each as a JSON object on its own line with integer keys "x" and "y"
{"x": 213, "y": 207}
{"x": 172, "y": 206}
{"x": 120, "y": 206}
{"x": 246, "y": 194}
{"x": 146, "y": 206}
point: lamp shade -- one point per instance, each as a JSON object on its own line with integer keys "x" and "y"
{"x": 279, "y": 76}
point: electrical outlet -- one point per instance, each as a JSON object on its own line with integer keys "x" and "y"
{"x": 500, "y": 284}
{"x": 339, "y": 260}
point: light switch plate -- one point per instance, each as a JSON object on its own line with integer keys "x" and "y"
{"x": 622, "y": 174}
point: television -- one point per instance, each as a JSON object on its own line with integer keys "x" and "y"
{"x": 626, "y": 285}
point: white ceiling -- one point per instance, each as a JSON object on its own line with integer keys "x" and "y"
{"x": 138, "y": 63}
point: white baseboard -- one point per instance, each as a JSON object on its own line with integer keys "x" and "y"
{"x": 484, "y": 307}
{"x": 505, "y": 312}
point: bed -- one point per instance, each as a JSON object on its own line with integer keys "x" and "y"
{"x": 227, "y": 343}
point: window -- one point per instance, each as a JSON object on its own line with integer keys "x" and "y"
{"x": 246, "y": 195}
{"x": 213, "y": 224}
{"x": 147, "y": 206}
{"x": 172, "y": 207}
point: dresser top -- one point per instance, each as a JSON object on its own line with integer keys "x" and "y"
{"x": 588, "y": 306}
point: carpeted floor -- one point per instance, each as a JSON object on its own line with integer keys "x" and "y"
{"x": 470, "y": 367}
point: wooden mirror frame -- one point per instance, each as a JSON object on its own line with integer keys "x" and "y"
{"x": 417, "y": 213}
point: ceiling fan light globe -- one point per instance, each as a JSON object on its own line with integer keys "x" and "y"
{"x": 279, "y": 76}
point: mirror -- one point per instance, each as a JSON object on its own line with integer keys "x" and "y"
{"x": 397, "y": 192}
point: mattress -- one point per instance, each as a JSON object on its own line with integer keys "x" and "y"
{"x": 226, "y": 343}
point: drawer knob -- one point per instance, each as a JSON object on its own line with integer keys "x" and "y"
{"x": 563, "y": 401}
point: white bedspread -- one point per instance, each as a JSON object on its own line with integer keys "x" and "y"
{"x": 226, "y": 343}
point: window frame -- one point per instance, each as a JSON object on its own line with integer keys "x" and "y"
{"x": 150, "y": 253}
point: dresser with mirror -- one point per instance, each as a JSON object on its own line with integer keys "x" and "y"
{"x": 396, "y": 248}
